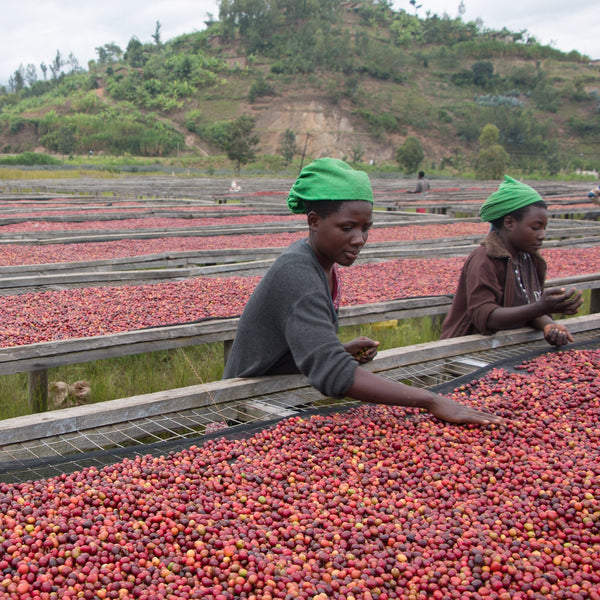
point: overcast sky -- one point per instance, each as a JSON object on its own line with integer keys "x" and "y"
{"x": 31, "y": 31}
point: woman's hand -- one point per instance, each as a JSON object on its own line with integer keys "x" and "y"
{"x": 559, "y": 300}
{"x": 454, "y": 412}
{"x": 557, "y": 334}
{"x": 571, "y": 305}
{"x": 362, "y": 348}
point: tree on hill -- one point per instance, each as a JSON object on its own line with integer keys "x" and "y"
{"x": 492, "y": 159}
{"x": 56, "y": 65}
{"x": 288, "y": 146}
{"x": 410, "y": 155}
{"x": 156, "y": 34}
{"x": 259, "y": 22}
{"x": 16, "y": 81}
{"x": 242, "y": 142}
{"x": 108, "y": 54}
{"x": 134, "y": 54}
{"x": 483, "y": 73}
{"x": 236, "y": 138}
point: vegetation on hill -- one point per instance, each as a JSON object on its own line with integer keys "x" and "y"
{"x": 349, "y": 79}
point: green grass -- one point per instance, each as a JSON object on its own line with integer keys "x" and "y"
{"x": 126, "y": 376}
{"x": 121, "y": 377}
{"x": 396, "y": 333}
{"x": 16, "y": 173}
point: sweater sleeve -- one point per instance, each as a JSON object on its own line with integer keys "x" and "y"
{"x": 316, "y": 348}
{"x": 310, "y": 329}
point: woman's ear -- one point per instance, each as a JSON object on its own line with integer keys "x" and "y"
{"x": 312, "y": 218}
{"x": 509, "y": 222}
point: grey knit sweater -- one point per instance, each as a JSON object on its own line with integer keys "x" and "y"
{"x": 289, "y": 325}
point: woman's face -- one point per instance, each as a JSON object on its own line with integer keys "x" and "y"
{"x": 527, "y": 234}
{"x": 339, "y": 237}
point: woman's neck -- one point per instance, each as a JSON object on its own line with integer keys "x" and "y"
{"x": 514, "y": 252}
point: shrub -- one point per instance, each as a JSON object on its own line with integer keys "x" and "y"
{"x": 545, "y": 97}
{"x": 468, "y": 130}
{"x": 585, "y": 127}
{"x": 483, "y": 73}
{"x": 15, "y": 124}
{"x": 192, "y": 120}
{"x": 410, "y": 155}
{"x": 30, "y": 158}
{"x": 288, "y": 146}
{"x": 380, "y": 122}
{"x": 260, "y": 88}
{"x": 491, "y": 162}
{"x": 462, "y": 78}
{"x": 86, "y": 103}
{"x": 444, "y": 116}
{"x": 524, "y": 78}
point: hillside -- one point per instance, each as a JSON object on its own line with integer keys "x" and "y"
{"x": 347, "y": 80}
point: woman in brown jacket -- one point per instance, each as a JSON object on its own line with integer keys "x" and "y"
{"x": 501, "y": 285}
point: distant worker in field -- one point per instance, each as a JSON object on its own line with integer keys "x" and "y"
{"x": 235, "y": 186}
{"x": 290, "y": 322}
{"x": 422, "y": 185}
{"x": 501, "y": 285}
{"x": 594, "y": 195}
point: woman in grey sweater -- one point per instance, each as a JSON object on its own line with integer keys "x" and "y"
{"x": 290, "y": 322}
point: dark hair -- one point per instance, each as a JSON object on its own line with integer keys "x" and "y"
{"x": 518, "y": 214}
{"x": 421, "y": 173}
{"x": 324, "y": 208}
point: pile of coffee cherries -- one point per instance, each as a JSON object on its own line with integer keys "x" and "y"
{"x": 373, "y": 503}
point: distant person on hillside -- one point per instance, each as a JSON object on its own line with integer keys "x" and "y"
{"x": 594, "y": 195}
{"x": 422, "y": 184}
{"x": 501, "y": 285}
{"x": 235, "y": 186}
{"x": 290, "y": 322}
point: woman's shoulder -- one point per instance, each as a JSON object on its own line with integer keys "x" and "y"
{"x": 485, "y": 258}
{"x": 479, "y": 254}
{"x": 296, "y": 262}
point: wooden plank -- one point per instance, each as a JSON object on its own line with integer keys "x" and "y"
{"x": 122, "y": 215}
{"x": 220, "y": 393}
{"x": 595, "y": 301}
{"x": 143, "y": 262}
{"x": 90, "y": 235}
{"x": 245, "y": 267}
{"x": 242, "y": 262}
{"x": 111, "y": 412}
{"x": 71, "y": 237}
{"x": 38, "y": 390}
{"x": 44, "y": 355}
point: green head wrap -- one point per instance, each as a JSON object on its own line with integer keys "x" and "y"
{"x": 328, "y": 179}
{"x": 510, "y": 196}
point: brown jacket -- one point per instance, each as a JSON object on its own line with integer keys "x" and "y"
{"x": 485, "y": 283}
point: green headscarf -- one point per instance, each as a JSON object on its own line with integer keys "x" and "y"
{"x": 328, "y": 179}
{"x": 510, "y": 196}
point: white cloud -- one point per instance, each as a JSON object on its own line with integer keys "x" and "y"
{"x": 34, "y": 30}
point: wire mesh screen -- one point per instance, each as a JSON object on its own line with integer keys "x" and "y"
{"x": 161, "y": 434}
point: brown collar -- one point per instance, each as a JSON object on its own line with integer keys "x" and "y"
{"x": 494, "y": 247}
